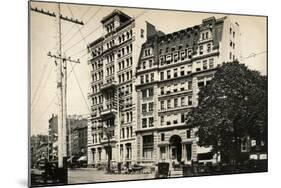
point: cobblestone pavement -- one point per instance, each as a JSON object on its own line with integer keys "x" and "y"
{"x": 88, "y": 175}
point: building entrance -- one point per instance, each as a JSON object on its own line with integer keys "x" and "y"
{"x": 176, "y": 148}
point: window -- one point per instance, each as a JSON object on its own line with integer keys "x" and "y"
{"x": 211, "y": 63}
{"x": 150, "y": 106}
{"x": 230, "y": 56}
{"x": 147, "y": 147}
{"x": 176, "y": 57}
{"x": 142, "y": 33}
{"x": 182, "y": 86}
{"x": 175, "y": 103}
{"x": 175, "y": 73}
{"x": 144, "y": 65}
{"x": 162, "y": 60}
{"x": 230, "y": 30}
{"x": 144, "y": 93}
{"x": 189, "y": 100}
{"x": 183, "y": 55}
{"x": 161, "y": 75}
{"x": 144, "y": 123}
{"x": 200, "y": 50}
{"x": 175, "y": 88}
{"x": 182, "y": 118}
{"x": 144, "y": 108}
{"x": 150, "y": 63}
{"x": 162, "y": 136}
{"x": 200, "y": 83}
{"x": 142, "y": 79}
{"x": 168, "y": 74}
{"x": 162, "y": 120}
{"x": 188, "y": 134}
{"x": 175, "y": 122}
{"x": 182, "y": 71}
{"x": 205, "y": 65}
{"x": 150, "y": 121}
{"x": 152, "y": 77}
{"x": 233, "y": 34}
{"x": 168, "y": 104}
{"x": 146, "y": 78}
{"x": 162, "y": 105}
{"x": 162, "y": 90}
{"x": 189, "y": 87}
{"x": 209, "y": 48}
{"x": 183, "y": 101}
{"x": 150, "y": 92}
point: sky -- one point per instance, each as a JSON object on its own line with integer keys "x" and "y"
{"x": 44, "y": 34}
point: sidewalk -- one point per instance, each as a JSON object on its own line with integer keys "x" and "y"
{"x": 88, "y": 175}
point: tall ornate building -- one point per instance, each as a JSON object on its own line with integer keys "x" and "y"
{"x": 113, "y": 58}
{"x": 145, "y": 82}
{"x": 170, "y": 72}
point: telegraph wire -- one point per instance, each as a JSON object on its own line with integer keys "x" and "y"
{"x": 90, "y": 33}
{"x": 34, "y": 103}
{"x": 81, "y": 17}
{"x": 78, "y": 83}
{"x": 72, "y": 36}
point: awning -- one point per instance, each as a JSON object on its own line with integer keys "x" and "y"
{"x": 82, "y": 158}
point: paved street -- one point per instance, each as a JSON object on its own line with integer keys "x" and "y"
{"x": 87, "y": 175}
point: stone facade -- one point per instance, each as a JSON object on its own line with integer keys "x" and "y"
{"x": 145, "y": 82}
{"x": 171, "y": 70}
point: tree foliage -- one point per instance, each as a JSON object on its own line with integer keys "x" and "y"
{"x": 232, "y": 106}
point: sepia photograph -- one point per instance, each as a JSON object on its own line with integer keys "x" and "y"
{"x": 125, "y": 93}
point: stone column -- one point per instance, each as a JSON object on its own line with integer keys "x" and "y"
{"x": 183, "y": 153}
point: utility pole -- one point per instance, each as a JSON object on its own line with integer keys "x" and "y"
{"x": 61, "y": 63}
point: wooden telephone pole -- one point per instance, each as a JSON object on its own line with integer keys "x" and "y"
{"x": 61, "y": 63}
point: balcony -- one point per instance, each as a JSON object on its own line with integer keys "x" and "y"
{"x": 108, "y": 113}
{"x": 108, "y": 85}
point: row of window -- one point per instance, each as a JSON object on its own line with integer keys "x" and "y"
{"x": 147, "y": 92}
{"x": 147, "y": 63}
{"x": 126, "y": 132}
{"x": 125, "y": 76}
{"x": 205, "y": 64}
{"x": 147, "y": 78}
{"x": 110, "y": 27}
{"x": 97, "y": 64}
{"x": 110, "y": 70}
{"x": 99, "y": 136}
{"x": 205, "y": 35}
{"x": 127, "y": 117}
{"x": 125, "y": 90}
{"x": 97, "y": 99}
{"x": 147, "y": 107}
{"x": 147, "y": 52}
{"x": 147, "y": 122}
{"x": 176, "y": 88}
{"x": 125, "y": 50}
{"x": 125, "y": 36}
{"x": 110, "y": 58}
{"x": 232, "y": 32}
{"x": 97, "y": 76}
{"x": 96, "y": 87}
{"x": 176, "y": 103}
{"x": 172, "y": 119}
{"x": 125, "y": 63}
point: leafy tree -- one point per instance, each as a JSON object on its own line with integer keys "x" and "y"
{"x": 230, "y": 108}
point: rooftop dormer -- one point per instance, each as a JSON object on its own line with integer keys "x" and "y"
{"x": 114, "y": 20}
